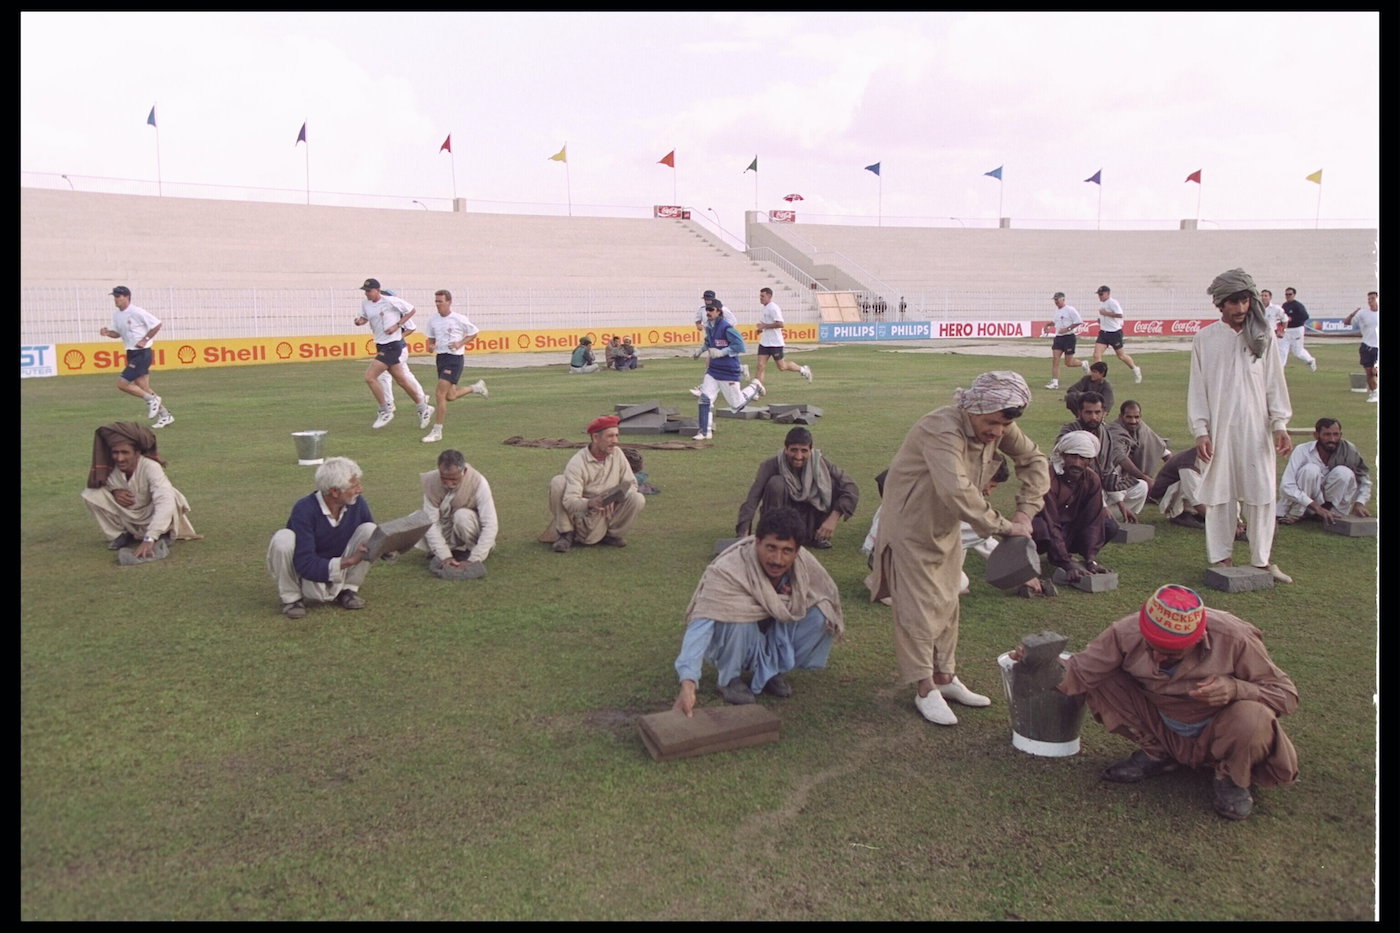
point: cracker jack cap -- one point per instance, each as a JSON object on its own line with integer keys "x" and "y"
{"x": 1173, "y": 619}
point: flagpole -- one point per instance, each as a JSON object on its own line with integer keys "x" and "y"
{"x": 1317, "y": 219}
{"x": 1001, "y": 198}
{"x": 1098, "y": 224}
{"x": 1199, "y": 186}
{"x": 569, "y": 187}
{"x": 160, "y": 188}
{"x": 308, "y": 173}
{"x": 452, "y": 159}
{"x": 880, "y": 202}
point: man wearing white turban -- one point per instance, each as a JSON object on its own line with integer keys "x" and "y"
{"x": 935, "y": 484}
{"x": 1073, "y": 520}
{"x": 1238, "y": 408}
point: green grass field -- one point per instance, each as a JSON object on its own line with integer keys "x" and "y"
{"x": 469, "y": 750}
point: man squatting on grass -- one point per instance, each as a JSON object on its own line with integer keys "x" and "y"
{"x": 935, "y": 484}
{"x": 1191, "y": 686}
{"x": 801, "y": 479}
{"x": 580, "y": 516}
{"x": 320, "y": 555}
{"x": 134, "y": 504}
{"x": 763, "y": 605}
{"x": 464, "y": 514}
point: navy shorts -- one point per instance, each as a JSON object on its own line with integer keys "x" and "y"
{"x": 450, "y": 365}
{"x": 1110, "y": 338}
{"x": 775, "y": 352}
{"x": 390, "y": 354}
{"x": 1065, "y": 342}
{"x": 1370, "y": 356}
{"x": 138, "y": 364}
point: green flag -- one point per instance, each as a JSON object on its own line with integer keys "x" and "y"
{"x": 753, "y": 166}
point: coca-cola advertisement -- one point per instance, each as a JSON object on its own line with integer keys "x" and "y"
{"x": 783, "y": 217}
{"x": 1161, "y": 327}
{"x": 670, "y": 211}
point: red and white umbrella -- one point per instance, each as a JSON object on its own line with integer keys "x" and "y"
{"x": 792, "y": 197}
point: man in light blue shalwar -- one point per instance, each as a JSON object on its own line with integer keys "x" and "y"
{"x": 764, "y": 605}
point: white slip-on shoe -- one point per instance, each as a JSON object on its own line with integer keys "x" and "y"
{"x": 935, "y": 709}
{"x": 703, "y": 436}
{"x": 957, "y": 692}
{"x": 1277, "y": 574}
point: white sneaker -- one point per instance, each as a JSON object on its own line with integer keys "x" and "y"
{"x": 1137, "y": 374}
{"x": 703, "y": 436}
{"x": 695, "y": 391}
{"x": 957, "y": 692}
{"x": 164, "y": 419}
{"x": 1312, "y": 366}
{"x": 1084, "y": 365}
{"x": 434, "y": 435}
{"x": 385, "y": 416}
{"x": 152, "y": 406}
{"x": 759, "y": 390}
{"x": 1373, "y": 397}
{"x": 1053, "y": 384}
{"x": 479, "y": 387}
{"x": 425, "y": 416}
{"x": 744, "y": 368}
{"x": 935, "y": 709}
{"x": 806, "y": 372}
{"x": 392, "y": 406}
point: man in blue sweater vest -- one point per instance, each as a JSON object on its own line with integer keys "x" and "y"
{"x": 320, "y": 555}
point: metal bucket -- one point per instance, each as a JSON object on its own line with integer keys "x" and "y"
{"x": 1358, "y": 382}
{"x": 311, "y": 447}
{"x": 1043, "y": 722}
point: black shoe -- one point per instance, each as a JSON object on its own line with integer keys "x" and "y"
{"x": 1137, "y": 766}
{"x": 1188, "y": 520}
{"x": 120, "y": 541}
{"x": 778, "y": 686}
{"x": 294, "y": 610}
{"x": 736, "y": 692}
{"x": 563, "y": 544}
{"x": 349, "y": 599}
{"x": 821, "y": 545}
{"x": 1231, "y": 801}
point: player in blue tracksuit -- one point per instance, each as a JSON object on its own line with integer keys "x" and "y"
{"x": 723, "y": 345}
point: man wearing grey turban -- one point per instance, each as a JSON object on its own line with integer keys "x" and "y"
{"x": 935, "y": 484}
{"x": 1238, "y": 408}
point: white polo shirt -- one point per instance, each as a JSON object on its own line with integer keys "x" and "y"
{"x": 1109, "y": 324}
{"x": 771, "y": 314}
{"x": 445, "y": 331}
{"x": 133, "y": 324}
{"x": 382, "y": 314}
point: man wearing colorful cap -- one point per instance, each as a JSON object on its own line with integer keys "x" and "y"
{"x": 578, "y": 496}
{"x": 136, "y": 328}
{"x": 1191, "y": 686}
{"x": 935, "y": 484}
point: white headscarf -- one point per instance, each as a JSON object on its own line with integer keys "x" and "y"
{"x": 1079, "y": 443}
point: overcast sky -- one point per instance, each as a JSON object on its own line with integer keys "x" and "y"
{"x": 1257, "y": 102}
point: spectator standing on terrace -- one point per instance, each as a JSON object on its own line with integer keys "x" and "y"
{"x": 136, "y": 328}
{"x": 1293, "y": 331}
{"x": 1066, "y": 324}
{"x": 1111, "y": 333}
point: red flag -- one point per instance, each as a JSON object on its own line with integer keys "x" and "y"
{"x": 1194, "y": 176}
{"x": 668, "y": 159}
{"x": 446, "y": 144}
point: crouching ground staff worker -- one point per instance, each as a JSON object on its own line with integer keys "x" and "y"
{"x": 935, "y": 484}
{"x": 1191, "y": 686}
{"x": 764, "y": 605}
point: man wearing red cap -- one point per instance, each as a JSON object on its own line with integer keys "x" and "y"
{"x": 1191, "y": 686}
{"x": 577, "y": 497}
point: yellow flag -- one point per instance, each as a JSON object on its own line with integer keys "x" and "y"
{"x": 562, "y": 155}
{"x": 1316, "y": 177}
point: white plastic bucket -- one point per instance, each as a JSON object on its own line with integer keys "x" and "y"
{"x": 1051, "y": 728}
{"x": 311, "y": 447}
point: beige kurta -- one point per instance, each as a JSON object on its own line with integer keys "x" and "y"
{"x": 585, "y": 477}
{"x": 475, "y": 531}
{"x": 1129, "y": 695}
{"x": 159, "y": 507}
{"x": 1239, "y": 401}
{"x": 935, "y": 484}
